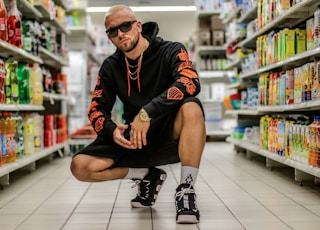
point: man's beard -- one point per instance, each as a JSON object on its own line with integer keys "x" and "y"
{"x": 133, "y": 46}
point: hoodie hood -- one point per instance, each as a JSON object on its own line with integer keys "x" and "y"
{"x": 150, "y": 29}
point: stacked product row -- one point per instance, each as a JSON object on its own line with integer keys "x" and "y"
{"x": 29, "y": 34}
{"x": 296, "y": 138}
{"x": 210, "y": 62}
{"x": 279, "y": 45}
{"x": 300, "y": 84}
{"x": 24, "y": 134}
{"x": 22, "y": 83}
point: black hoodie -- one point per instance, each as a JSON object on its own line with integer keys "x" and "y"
{"x": 167, "y": 76}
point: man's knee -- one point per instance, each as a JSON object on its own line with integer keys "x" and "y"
{"x": 192, "y": 110}
{"x": 80, "y": 168}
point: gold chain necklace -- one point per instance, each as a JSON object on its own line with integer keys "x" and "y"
{"x": 137, "y": 72}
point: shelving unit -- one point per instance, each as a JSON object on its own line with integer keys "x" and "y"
{"x": 289, "y": 19}
{"x": 302, "y": 171}
{"x": 29, "y": 162}
{"x": 48, "y": 59}
{"x": 213, "y": 106}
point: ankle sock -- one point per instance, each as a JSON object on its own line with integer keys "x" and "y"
{"x": 188, "y": 175}
{"x": 137, "y": 173}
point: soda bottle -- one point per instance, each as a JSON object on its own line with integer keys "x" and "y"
{"x": 24, "y": 84}
{"x": 11, "y": 83}
{"x": 3, "y": 21}
{"x": 11, "y": 130}
{"x": 19, "y": 136}
{"x": 27, "y": 35}
{"x": 14, "y": 25}
{"x": 36, "y": 84}
{"x": 2, "y": 80}
{"x": 38, "y": 131}
{"x": 28, "y": 134}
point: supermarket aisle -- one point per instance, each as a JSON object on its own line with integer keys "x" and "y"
{"x": 233, "y": 193}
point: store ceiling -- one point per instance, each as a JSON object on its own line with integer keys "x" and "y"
{"x": 96, "y": 3}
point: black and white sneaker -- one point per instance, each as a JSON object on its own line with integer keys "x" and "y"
{"x": 187, "y": 211}
{"x": 148, "y": 188}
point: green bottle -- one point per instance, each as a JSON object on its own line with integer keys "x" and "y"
{"x": 24, "y": 83}
{"x": 11, "y": 83}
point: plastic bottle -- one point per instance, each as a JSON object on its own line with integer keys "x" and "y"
{"x": 14, "y": 25}
{"x": 11, "y": 83}
{"x": 27, "y": 35}
{"x": 38, "y": 131}
{"x": 3, "y": 21}
{"x": 11, "y": 130}
{"x": 2, "y": 80}
{"x": 24, "y": 84}
{"x": 28, "y": 134}
{"x": 4, "y": 138}
{"x": 36, "y": 84}
{"x": 312, "y": 140}
{"x": 19, "y": 136}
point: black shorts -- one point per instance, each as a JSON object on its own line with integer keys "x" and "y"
{"x": 161, "y": 149}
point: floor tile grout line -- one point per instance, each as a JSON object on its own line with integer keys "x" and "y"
{"x": 76, "y": 206}
{"x": 296, "y": 202}
{"x": 205, "y": 181}
{"x": 114, "y": 204}
{"x": 234, "y": 181}
{"x": 39, "y": 206}
{"x": 30, "y": 186}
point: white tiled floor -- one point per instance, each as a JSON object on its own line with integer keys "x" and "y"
{"x": 233, "y": 192}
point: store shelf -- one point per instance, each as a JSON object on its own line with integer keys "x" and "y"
{"x": 211, "y": 49}
{"x": 303, "y": 106}
{"x": 288, "y": 19}
{"x": 10, "y": 51}
{"x": 51, "y": 20}
{"x": 26, "y": 9}
{"x": 20, "y": 107}
{"x": 237, "y": 85}
{"x": 215, "y": 74}
{"x": 55, "y": 97}
{"x": 27, "y": 160}
{"x": 280, "y": 159}
{"x": 235, "y": 41}
{"x": 204, "y": 14}
{"x": 218, "y": 133}
{"x": 51, "y": 59}
{"x": 234, "y": 64}
{"x": 233, "y": 15}
{"x": 249, "y": 112}
{"x": 249, "y": 16}
{"x": 77, "y": 30}
{"x": 289, "y": 63}
{"x": 61, "y": 3}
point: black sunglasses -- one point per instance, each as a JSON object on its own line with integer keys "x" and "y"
{"x": 124, "y": 27}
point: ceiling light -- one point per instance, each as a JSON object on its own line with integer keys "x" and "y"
{"x": 145, "y": 9}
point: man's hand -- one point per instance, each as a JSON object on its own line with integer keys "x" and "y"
{"x": 119, "y": 138}
{"x": 138, "y": 133}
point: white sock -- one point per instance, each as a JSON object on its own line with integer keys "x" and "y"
{"x": 137, "y": 173}
{"x": 188, "y": 175}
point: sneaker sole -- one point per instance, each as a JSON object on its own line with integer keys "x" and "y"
{"x": 163, "y": 177}
{"x": 187, "y": 219}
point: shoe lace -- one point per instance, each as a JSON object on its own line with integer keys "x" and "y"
{"x": 143, "y": 191}
{"x": 184, "y": 191}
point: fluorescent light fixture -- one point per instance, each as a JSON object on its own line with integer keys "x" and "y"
{"x": 145, "y": 9}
